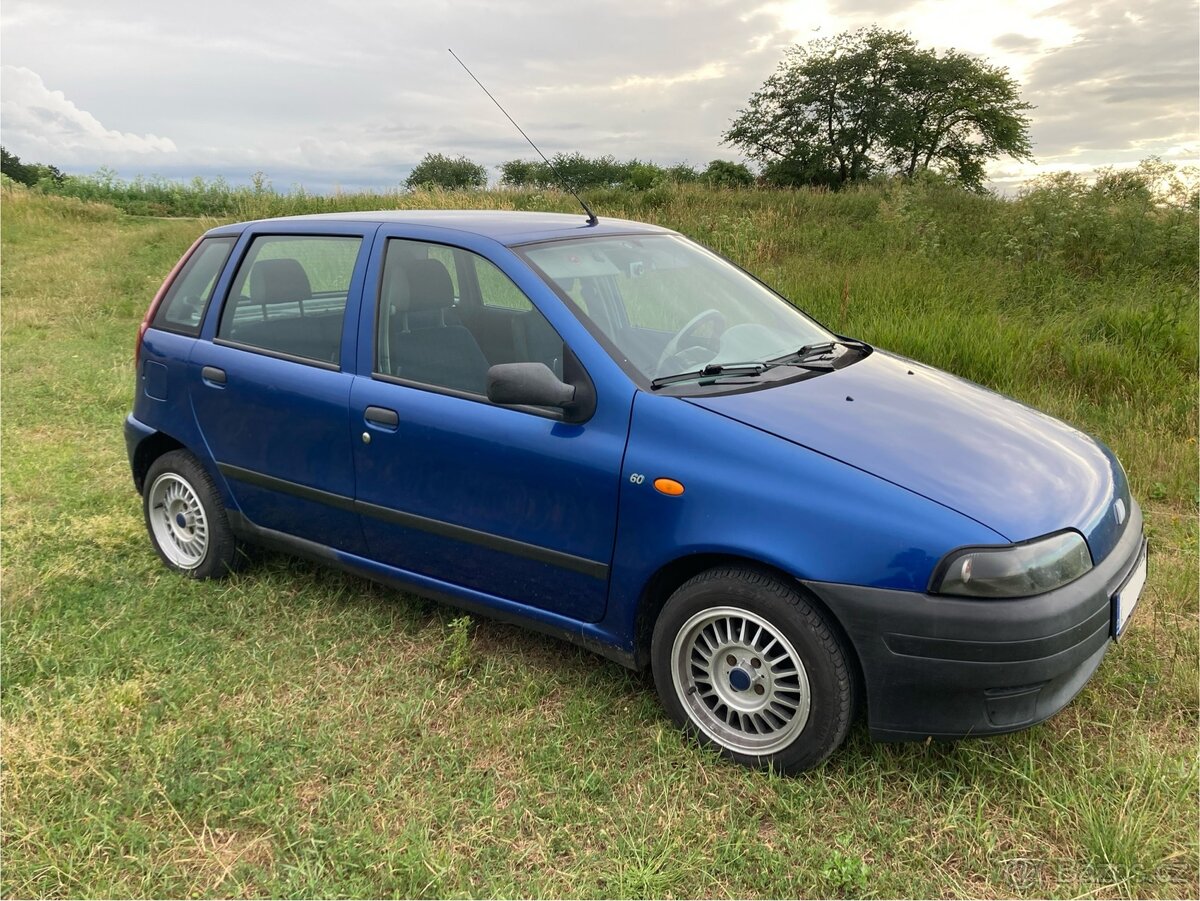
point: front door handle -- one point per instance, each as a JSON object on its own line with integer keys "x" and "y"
{"x": 382, "y": 416}
{"x": 213, "y": 375}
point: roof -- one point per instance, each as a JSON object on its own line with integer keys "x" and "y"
{"x": 507, "y": 227}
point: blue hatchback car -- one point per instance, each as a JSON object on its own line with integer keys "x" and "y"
{"x": 608, "y": 433}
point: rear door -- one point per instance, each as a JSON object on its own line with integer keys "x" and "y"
{"x": 270, "y": 386}
{"x": 511, "y": 502}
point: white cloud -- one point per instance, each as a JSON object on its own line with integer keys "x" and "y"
{"x": 707, "y": 72}
{"x": 976, "y": 28}
{"x": 1124, "y": 89}
{"x": 42, "y": 124}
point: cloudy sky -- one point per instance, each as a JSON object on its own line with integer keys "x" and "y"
{"x": 354, "y": 92}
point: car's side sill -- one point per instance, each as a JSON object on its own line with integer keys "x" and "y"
{"x": 583, "y": 634}
{"x": 593, "y": 568}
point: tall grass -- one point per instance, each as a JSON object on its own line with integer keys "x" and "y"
{"x": 1138, "y": 219}
{"x": 300, "y": 732}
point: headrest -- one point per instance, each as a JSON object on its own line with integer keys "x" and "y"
{"x": 279, "y": 281}
{"x": 396, "y": 291}
{"x": 429, "y": 286}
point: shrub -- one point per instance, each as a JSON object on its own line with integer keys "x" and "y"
{"x": 728, "y": 174}
{"x": 585, "y": 173}
{"x": 440, "y": 171}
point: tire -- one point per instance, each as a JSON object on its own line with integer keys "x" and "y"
{"x": 186, "y": 519}
{"x": 777, "y": 688}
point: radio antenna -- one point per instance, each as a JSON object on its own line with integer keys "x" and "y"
{"x": 591, "y": 217}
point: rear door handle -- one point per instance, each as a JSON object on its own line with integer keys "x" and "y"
{"x": 382, "y": 416}
{"x": 213, "y": 375}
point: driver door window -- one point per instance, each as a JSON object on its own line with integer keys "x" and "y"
{"x": 446, "y": 315}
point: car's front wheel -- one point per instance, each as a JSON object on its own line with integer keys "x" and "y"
{"x": 744, "y": 662}
{"x": 186, "y": 519}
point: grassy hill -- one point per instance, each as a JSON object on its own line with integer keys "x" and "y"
{"x": 296, "y": 731}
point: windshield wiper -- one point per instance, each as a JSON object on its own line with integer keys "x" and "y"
{"x": 710, "y": 370}
{"x": 811, "y": 354}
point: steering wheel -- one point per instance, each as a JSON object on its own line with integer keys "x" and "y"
{"x": 688, "y": 348}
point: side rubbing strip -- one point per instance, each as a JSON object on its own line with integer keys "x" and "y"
{"x": 592, "y": 568}
{"x": 250, "y": 477}
{"x": 486, "y": 539}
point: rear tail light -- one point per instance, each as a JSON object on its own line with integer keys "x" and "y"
{"x": 158, "y": 299}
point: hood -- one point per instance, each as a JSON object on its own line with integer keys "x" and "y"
{"x": 1019, "y": 472}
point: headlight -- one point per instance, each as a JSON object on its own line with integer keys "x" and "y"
{"x": 1015, "y": 570}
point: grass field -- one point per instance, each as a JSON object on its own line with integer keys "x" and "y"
{"x": 298, "y": 732}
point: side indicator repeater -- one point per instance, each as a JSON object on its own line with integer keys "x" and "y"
{"x": 669, "y": 487}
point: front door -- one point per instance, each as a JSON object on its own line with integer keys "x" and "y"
{"x": 514, "y": 503}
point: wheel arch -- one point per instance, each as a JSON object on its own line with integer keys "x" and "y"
{"x": 149, "y": 450}
{"x": 669, "y": 577}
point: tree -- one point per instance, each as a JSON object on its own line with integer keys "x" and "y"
{"x": 439, "y": 171}
{"x": 871, "y": 101}
{"x": 521, "y": 173}
{"x": 29, "y": 173}
{"x": 11, "y": 165}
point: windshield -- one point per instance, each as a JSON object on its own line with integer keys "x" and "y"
{"x": 669, "y": 306}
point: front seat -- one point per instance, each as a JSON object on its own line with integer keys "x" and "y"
{"x": 425, "y": 341}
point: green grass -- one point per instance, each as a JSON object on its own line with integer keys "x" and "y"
{"x": 299, "y": 732}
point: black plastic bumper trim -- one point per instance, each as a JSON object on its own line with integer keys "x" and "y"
{"x": 942, "y": 667}
{"x": 1000, "y": 651}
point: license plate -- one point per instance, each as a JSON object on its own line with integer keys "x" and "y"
{"x": 1127, "y": 596}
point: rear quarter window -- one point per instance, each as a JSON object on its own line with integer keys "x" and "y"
{"x": 182, "y": 310}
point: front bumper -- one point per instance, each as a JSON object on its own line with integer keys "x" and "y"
{"x": 945, "y": 667}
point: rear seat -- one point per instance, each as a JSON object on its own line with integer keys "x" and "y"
{"x": 317, "y": 337}
{"x": 284, "y": 285}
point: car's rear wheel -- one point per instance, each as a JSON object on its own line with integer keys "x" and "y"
{"x": 745, "y": 663}
{"x": 186, "y": 519}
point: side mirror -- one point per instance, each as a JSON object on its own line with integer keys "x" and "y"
{"x": 530, "y": 384}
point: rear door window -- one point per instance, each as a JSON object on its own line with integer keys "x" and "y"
{"x": 182, "y": 310}
{"x": 288, "y": 297}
